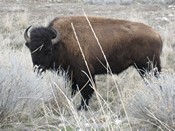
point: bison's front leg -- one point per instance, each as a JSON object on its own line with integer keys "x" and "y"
{"x": 86, "y": 93}
{"x": 84, "y": 85}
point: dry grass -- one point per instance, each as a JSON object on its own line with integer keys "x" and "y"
{"x": 31, "y": 102}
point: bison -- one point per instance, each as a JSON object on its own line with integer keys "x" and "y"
{"x": 123, "y": 42}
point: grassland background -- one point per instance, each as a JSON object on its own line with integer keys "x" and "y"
{"x": 31, "y": 102}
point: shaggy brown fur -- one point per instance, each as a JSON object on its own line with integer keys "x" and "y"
{"x": 124, "y": 43}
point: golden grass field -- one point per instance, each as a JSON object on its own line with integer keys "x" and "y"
{"x": 121, "y": 103}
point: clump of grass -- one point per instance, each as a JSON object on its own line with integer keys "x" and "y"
{"x": 153, "y": 104}
{"x": 22, "y": 92}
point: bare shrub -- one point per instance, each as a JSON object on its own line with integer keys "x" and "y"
{"x": 154, "y": 103}
{"x": 22, "y": 92}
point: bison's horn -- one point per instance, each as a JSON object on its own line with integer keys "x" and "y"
{"x": 57, "y": 38}
{"x": 27, "y": 38}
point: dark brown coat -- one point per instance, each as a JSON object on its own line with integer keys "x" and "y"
{"x": 124, "y": 43}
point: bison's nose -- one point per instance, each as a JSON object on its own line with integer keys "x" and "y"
{"x": 39, "y": 69}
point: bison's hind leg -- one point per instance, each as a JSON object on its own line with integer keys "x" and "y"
{"x": 150, "y": 65}
{"x": 157, "y": 65}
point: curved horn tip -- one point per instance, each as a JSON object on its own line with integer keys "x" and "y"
{"x": 27, "y": 38}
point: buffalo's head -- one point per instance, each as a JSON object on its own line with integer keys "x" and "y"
{"x": 40, "y": 43}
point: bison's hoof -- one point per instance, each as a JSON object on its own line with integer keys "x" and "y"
{"x": 82, "y": 108}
